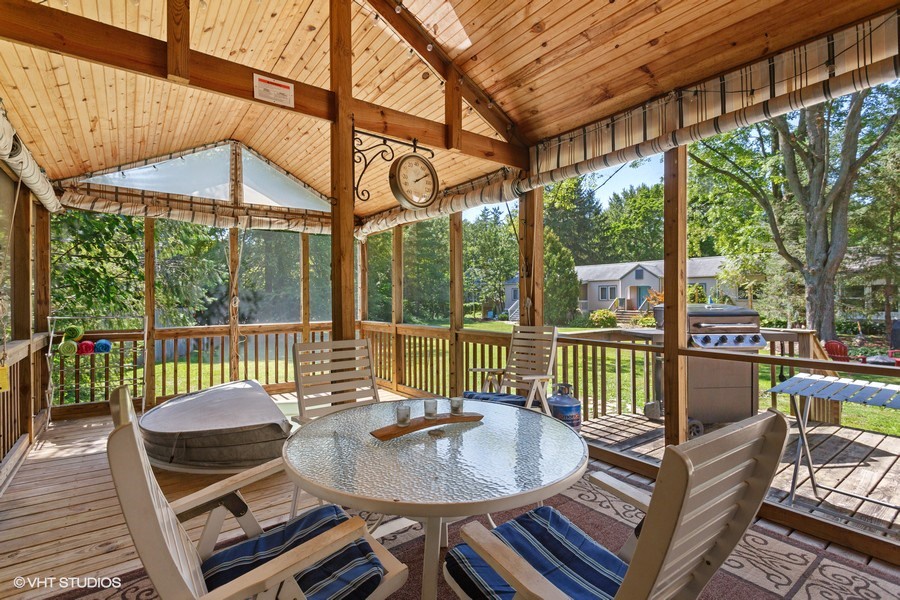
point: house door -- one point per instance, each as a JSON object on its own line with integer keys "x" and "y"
{"x": 642, "y": 292}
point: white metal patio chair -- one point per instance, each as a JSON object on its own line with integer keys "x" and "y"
{"x": 528, "y": 371}
{"x": 332, "y": 376}
{"x": 322, "y": 553}
{"x": 707, "y": 494}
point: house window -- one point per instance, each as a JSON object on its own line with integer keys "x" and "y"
{"x": 606, "y": 292}
{"x": 515, "y": 293}
{"x": 603, "y": 292}
{"x": 639, "y": 274}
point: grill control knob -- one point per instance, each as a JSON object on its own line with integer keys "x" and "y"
{"x": 754, "y": 339}
{"x": 738, "y": 339}
{"x": 723, "y": 339}
{"x": 705, "y": 339}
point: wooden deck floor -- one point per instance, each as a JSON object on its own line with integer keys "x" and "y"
{"x": 850, "y": 460}
{"x": 60, "y": 515}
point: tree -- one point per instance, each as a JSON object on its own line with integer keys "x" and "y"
{"x": 380, "y": 248}
{"x": 875, "y": 219}
{"x": 635, "y": 223}
{"x": 561, "y": 287}
{"x": 490, "y": 255}
{"x": 801, "y": 169}
{"x": 426, "y": 271}
{"x": 575, "y": 216}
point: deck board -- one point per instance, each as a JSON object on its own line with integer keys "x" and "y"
{"x": 60, "y": 516}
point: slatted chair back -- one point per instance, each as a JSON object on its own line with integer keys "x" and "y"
{"x": 837, "y": 351}
{"x": 162, "y": 543}
{"x": 706, "y": 496}
{"x": 332, "y": 375}
{"x": 532, "y": 351}
{"x": 119, "y": 401}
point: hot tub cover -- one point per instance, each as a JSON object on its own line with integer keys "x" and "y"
{"x": 232, "y": 426}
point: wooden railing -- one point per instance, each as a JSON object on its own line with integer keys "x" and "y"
{"x": 610, "y": 371}
{"x": 22, "y": 405}
{"x": 187, "y": 359}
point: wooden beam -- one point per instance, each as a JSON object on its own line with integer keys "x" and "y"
{"x": 178, "y": 35}
{"x": 675, "y": 292}
{"x": 41, "y": 290}
{"x": 453, "y": 109}
{"x": 363, "y": 276}
{"x": 457, "y": 304}
{"x": 397, "y": 303}
{"x": 396, "y": 124}
{"x": 22, "y": 319}
{"x": 54, "y": 30}
{"x": 423, "y": 43}
{"x": 343, "y": 315}
{"x": 304, "y": 285}
{"x": 531, "y": 258}
{"x": 149, "y": 312}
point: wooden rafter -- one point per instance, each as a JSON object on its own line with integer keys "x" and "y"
{"x": 57, "y": 31}
{"x": 178, "y": 34}
{"x": 424, "y": 44}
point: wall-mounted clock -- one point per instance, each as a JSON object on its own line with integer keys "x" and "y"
{"x": 414, "y": 182}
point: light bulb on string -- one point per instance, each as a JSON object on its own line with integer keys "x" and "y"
{"x": 399, "y": 8}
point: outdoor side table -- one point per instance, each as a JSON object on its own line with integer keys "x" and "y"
{"x": 511, "y": 458}
{"x": 838, "y": 390}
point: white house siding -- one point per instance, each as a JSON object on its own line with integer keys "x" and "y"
{"x": 593, "y": 294}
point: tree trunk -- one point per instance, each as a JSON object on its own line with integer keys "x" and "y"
{"x": 820, "y": 305}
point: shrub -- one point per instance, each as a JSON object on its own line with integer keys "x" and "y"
{"x": 603, "y": 318}
{"x": 849, "y": 327}
{"x": 580, "y": 320}
{"x": 503, "y": 316}
{"x": 643, "y": 321}
{"x": 472, "y": 308}
{"x": 696, "y": 294}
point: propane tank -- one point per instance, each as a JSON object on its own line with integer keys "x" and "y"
{"x": 564, "y": 407}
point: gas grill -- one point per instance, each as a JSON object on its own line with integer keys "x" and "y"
{"x": 719, "y": 391}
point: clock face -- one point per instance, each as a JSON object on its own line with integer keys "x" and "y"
{"x": 414, "y": 181}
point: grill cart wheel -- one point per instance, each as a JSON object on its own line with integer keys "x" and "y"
{"x": 695, "y": 428}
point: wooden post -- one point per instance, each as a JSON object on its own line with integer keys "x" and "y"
{"x": 453, "y": 108}
{"x": 236, "y": 194}
{"x": 150, "y": 311}
{"x": 457, "y": 304}
{"x": 531, "y": 258}
{"x": 178, "y": 35}
{"x": 343, "y": 315}
{"x": 397, "y": 303}
{"x": 304, "y": 285}
{"x": 21, "y": 322}
{"x": 675, "y": 291}
{"x": 42, "y": 291}
{"x": 363, "y": 275}
{"x": 234, "y": 262}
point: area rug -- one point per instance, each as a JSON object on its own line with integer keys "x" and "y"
{"x": 765, "y": 564}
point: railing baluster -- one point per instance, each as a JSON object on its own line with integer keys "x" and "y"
{"x": 618, "y": 381}
{"x": 595, "y": 380}
{"x": 187, "y": 364}
{"x": 633, "y": 381}
{"x": 603, "y": 381}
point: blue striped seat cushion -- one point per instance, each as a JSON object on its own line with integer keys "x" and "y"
{"x": 560, "y": 551}
{"x": 353, "y": 572}
{"x": 496, "y": 397}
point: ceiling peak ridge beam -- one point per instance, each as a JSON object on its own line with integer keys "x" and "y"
{"x": 423, "y": 43}
{"x": 60, "y": 32}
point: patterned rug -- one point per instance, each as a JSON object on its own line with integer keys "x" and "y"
{"x": 765, "y": 564}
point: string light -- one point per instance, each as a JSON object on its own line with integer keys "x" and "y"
{"x": 399, "y": 8}
{"x": 430, "y": 47}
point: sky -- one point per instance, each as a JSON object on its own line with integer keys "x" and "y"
{"x": 616, "y": 180}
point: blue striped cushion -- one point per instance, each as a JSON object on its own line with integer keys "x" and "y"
{"x": 496, "y": 397}
{"x": 353, "y": 572}
{"x": 560, "y": 551}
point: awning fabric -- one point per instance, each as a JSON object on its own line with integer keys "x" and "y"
{"x": 851, "y": 60}
{"x": 223, "y": 216}
{"x": 14, "y": 153}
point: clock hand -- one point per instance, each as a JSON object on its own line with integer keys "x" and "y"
{"x": 420, "y": 178}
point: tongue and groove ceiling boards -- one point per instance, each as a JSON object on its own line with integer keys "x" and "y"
{"x": 551, "y": 66}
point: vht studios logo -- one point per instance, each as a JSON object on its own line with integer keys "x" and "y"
{"x": 67, "y": 582}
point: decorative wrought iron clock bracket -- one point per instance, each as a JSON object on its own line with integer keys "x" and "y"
{"x": 382, "y": 148}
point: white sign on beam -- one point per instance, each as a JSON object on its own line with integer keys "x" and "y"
{"x": 272, "y": 90}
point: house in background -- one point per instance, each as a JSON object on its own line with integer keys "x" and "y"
{"x": 626, "y": 286}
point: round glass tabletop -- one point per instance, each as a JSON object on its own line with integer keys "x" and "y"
{"x": 510, "y": 458}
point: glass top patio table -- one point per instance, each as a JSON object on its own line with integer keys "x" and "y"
{"x": 511, "y": 458}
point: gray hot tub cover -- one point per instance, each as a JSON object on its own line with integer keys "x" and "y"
{"x": 231, "y": 426}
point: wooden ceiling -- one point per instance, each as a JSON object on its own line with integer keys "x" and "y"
{"x": 552, "y": 66}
